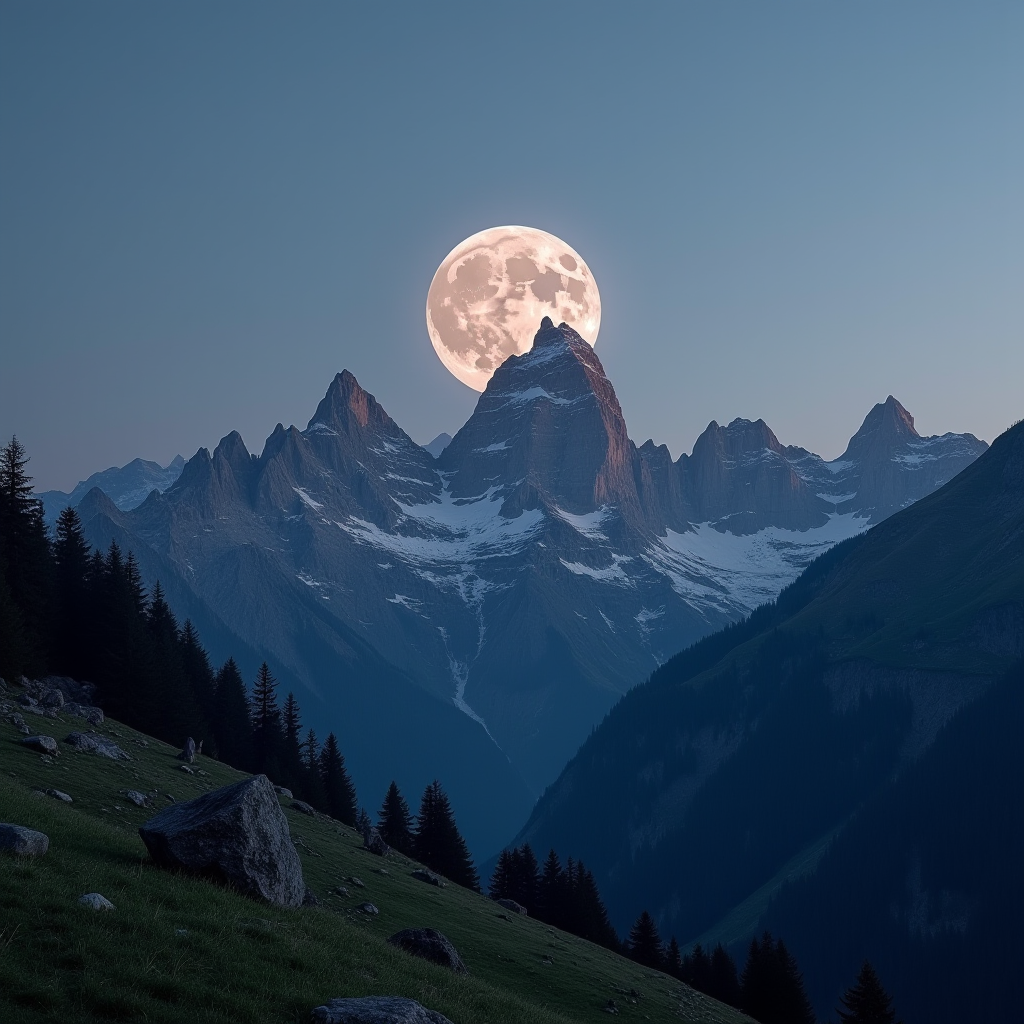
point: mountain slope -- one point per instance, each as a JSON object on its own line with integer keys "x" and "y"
{"x": 729, "y": 768}
{"x": 179, "y": 948}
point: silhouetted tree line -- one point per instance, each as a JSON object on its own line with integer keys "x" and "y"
{"x": 69, "y": 611}
{"x": 565, "y": 898}
{"x": 770, "y": 988}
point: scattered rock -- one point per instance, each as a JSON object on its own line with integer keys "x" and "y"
{"x": 16, "y": 720}
{"x": 429, "y": 877}
{"x": 513, "y": 907}
{"x": 94, "y": 901}
{"x": 430, "y": 945}
{"x": 167, "y": 796}
{"x": 368, "y": 908}
{"x": 237, "y": 834}
{"x": 188, "y": 754}
{"x": 383, "y": 871}
{"x": 93, "y": 743}
{"x": 339, "y": 890}
{"x": 357, "y": 882}
{"x": 140, "y": 742}
{"x": 182, "y": 933}
{"x": 374, "y": 842}
{"x": 94, "y": 716}
{"x": 185, "y": 768}
{"x": 59, "y": 795}
{"x": 376, "y": 1010}
{"x": 44, "y": 744}
{"x": 26, "y": 700}
{"x": 303, "y": 808}
{"x": 24, "y": 730}
{"x": 610, "y": 1007}
{"x": 23, "y": 842}
{"x": 282, "y": 791}
{"x": 137, "y": 798}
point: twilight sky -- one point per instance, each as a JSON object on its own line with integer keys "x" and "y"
{"x": 792, "y": 210}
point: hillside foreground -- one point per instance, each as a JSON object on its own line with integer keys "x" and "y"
{"x": 178, "y": 948}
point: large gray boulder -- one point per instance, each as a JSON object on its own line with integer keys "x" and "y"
{"x": 377, "y": 1010}
{"x": 238, "y": 835}
{"x": 374, "y": 842}
{"x": 44, "y": 744}
{"x": 23, "y": 842}
{"x": 430, "y": 945}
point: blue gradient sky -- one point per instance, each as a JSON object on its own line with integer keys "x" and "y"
{"x": 792, "y": 210}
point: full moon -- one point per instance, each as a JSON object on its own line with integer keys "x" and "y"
{"x": 488, "y": 297}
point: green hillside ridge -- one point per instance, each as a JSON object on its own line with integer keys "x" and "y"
{"x": 246, "y": 961}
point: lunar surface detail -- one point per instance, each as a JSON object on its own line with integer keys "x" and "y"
{"x": 488, "y": 297}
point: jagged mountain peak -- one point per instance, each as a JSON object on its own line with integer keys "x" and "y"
{"x": 740, "y": 437}
{"x": 887, "y": 425}
{"x": 347, "y": 408}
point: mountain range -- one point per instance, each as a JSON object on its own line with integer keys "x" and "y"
{"x": 477, "y": 614}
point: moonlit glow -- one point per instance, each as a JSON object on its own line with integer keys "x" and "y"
{"x": 488, "y": 297}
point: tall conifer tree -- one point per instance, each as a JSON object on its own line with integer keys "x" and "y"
{"x": 394, "y": 820}
{"x": 866, "y": 1002}
{"x": 645, "y": 943}
{"x": 339, "y": 792}
{"x": 267, "y": 735}
{"x": 438, "y": 842}
{"x": 232, "y": 718}
{"x": 72, "y": 632}
{"x": 771, "y": 988}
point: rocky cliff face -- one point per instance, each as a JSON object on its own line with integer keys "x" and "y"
{"x": 540, "y": 565}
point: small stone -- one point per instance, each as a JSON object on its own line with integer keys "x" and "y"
{"x": 94, "y": 901}
{"x": 188, "y": 754}
{"x": 44, "y": 744}
{"x": 610, "y": 1007}
{"x": 182, "y": 933}
{"x": 429, "y": 877}
{"x": 430, "y": 945}
{"x": 26, "y": 701}
{"x": 369, "y": 908}
{"x": 512, "y": 906}
{"x": 16, "y": 720}
{"x": 282, "y": 791}
{"x": 357, "y": 882}
{"x": 23, "y": 842}
{"x": 137, "y": 798}
{"x": 383, "y": 871}
{"x": 167, "y": 796}
{"x": 59, "y": 795}
{"x": 303, "y": 808}
{"x": 376, "y": 1010}
{"x": 185, "y": 768}
{"x": 339, "y": 890}
{"x": 374, "y": 842}
{"x": 24, "y": 730}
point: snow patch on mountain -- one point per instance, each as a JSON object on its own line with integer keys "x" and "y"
{"x": 729, "y": 572}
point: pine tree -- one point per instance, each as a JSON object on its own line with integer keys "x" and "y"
{"x": 723, "y": 981}
{"x": 500, "y": 885}
{"x": 645, "y": 942}
{"x": 72, "y": 568}
{"x": 394, "y": 820}
{"x": 196, "y": 663}
{"x": 13, "y": 643}
{"x": 697, "y": 968}
{"x": 340, "y": 794}
{"x": 25, "y": 559}
{"x": 232, "y": 721}
{"x": 867, "y": 1002}
{"x": 551, "y": 892}
{"x": 266, "y": 725}
{"x": 312, "y": 784}
{"x": 525, "y": 877}
{"x": 291, "y": 750}
{"x": 167, "y": 702}
{"x": 771, "y": 988}
{"x": 591, "y": 917}
{"x": 673, "y": 959}
{"x": 438, "y": 842}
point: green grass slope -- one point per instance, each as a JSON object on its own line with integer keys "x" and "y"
{"x": 183, "y": 949}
